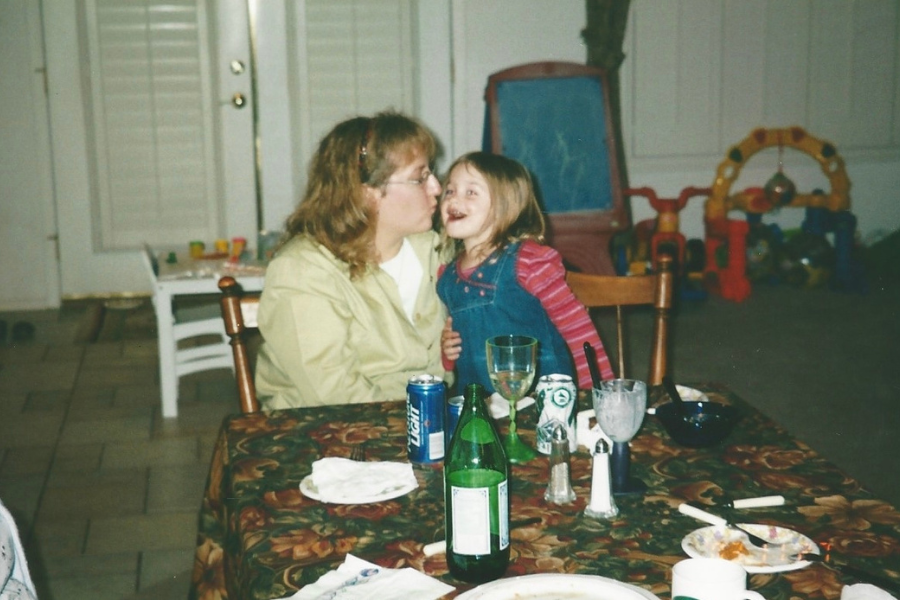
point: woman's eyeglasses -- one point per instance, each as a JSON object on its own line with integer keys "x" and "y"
{"x": 422, "y": 181}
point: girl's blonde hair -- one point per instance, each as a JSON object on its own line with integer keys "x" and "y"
{"x": 514, "y": 207}
{"x": 357, "y": 152}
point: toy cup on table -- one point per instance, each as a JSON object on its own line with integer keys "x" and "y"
{"x": 237, "y": 248}
{"x": 221, "y": 246}
{"x": 196, "y": 249}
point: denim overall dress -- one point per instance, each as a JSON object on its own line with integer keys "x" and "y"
{"x": 490, "y": 302}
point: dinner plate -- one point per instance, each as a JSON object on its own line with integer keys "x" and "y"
{"x": 716, "y": 541}
{"x": 308, "y": 489}
{"x": 557, "y": 586}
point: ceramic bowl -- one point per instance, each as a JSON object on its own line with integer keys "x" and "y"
{"x": 705, "y": 424}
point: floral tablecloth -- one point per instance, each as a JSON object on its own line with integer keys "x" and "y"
{"x": 260, "y": 538}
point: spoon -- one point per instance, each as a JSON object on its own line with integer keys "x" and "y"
{"x": 670, "y": 388}
{"x": 591, "y": 355}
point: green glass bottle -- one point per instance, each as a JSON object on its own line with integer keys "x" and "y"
{"x": 476, "y": 494}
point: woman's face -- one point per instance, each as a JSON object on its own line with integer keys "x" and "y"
{"x": 466, "y": 207}
{"x": 408, "y": 201}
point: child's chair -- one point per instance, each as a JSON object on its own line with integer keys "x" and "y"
{"x": 555, "y": 118}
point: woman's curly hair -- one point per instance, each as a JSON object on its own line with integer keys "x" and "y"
{"x": 363, "y": 151}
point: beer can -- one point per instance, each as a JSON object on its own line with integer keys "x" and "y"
{"x": 425, "y": 419}
{"x": 454, "y": 409}
{"x": 556, "y": 398}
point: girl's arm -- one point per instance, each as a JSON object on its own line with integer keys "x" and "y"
{"x": 539, "y": 269}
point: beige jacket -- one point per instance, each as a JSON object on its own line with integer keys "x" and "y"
{"x": 330, "y": 340}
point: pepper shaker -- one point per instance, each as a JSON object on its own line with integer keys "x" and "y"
{"x": 602, "y": 504}
{"x": 559, "y": 490}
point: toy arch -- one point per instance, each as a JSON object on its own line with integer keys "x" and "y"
{"x": 720, "y": 202}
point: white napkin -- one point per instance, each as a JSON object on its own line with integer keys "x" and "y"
{"x": 499, "y": 406}
{"x": 18, "y": 585}
{"x": 341, "y": 480}
{"x": 864, "y": 591}
{"x": 357, "y": 579}
{"x": 586, "y": 434}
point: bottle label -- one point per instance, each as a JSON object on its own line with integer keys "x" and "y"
{"x": 480, "y": 513}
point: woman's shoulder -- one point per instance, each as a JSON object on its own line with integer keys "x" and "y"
{"x": 303, "y": 254}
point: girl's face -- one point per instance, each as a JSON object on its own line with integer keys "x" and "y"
{"x": 466, "y": 207}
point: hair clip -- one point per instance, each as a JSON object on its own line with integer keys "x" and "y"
{"x": 363, "y": 152}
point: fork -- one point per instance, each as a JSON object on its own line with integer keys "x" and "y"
{"x": 712, "y": 519}
{"x": 358, "y": 452}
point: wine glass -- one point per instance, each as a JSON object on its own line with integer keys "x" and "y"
{"x": 511, "y": 362}
{"x": 619, "y": 405}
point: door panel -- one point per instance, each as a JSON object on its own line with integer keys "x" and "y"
{"x": 28, "y": 264}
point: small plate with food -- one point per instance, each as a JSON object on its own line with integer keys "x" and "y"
{"x": 717, "y": 541}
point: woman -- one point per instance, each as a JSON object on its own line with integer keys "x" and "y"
{"x": 349, "y": 310}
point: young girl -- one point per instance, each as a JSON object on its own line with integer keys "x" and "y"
{"x": 503, "y": 279}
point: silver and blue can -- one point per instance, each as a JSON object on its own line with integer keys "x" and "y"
{"x": 454, "y": 409}
{"x": 557, "y": 397}
{"x": 425, "y": 419}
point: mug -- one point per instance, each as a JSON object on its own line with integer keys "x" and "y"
{"x": 710, "y": 579}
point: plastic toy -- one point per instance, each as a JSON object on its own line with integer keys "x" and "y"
{"x": 667, "y": 235}
{"x": 824, "y": 210}
{"x": 637, "y": 251}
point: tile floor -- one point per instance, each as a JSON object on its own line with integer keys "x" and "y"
{"x": 105, "y": 491}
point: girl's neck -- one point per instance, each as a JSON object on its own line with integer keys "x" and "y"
{"x": 472, "y": 257}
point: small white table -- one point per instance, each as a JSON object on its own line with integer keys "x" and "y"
{"x": 187, "y": 277}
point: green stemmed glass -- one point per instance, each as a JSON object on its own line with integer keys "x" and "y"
{"x": 511, "y": 363}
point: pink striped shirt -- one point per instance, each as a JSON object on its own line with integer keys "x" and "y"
{"x": 540, "y": 270}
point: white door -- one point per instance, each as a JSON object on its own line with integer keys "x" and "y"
{"x": 28, "y": 265}
{"x": 148, "y": 146}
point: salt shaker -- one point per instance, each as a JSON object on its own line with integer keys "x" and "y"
{"x": 602, "y": 504}
{"x": 559, "y": 490}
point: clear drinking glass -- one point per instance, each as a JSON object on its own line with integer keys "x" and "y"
{"x": 619, "y": 405}
{"x": 511, "y": 363}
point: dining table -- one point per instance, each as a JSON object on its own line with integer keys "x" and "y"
{"x": 261, "y": 538}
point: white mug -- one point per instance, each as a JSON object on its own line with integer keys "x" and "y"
{"x": 710, "y": 579}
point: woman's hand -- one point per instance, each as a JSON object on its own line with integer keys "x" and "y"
{"x": 451, "y": 341}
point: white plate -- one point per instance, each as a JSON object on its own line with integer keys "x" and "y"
{"x": 709, "y": 542}
{"x": 557, "y": 587}
{"x": 687, "y": 394}
{"x": 308, "y": 489}
{"x": 691, "y": 395}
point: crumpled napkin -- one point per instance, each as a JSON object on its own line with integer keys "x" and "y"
{"x": 357, "y": 579}
{"x": 864, "y": 591}
{"x": 499, "y": 406}
{"x": 341, "y": 480}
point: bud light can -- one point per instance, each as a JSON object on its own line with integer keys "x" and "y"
{"x": 556, "y": 400}
{"x": 454, "y": 409}
{"x": 425, "y": 419}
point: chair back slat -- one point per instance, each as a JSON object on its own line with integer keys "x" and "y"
{"x": 239, "y": 315}
{"x": 656, "y": 290}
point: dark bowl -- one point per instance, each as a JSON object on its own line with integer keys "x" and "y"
{"x": 706, "y": 423}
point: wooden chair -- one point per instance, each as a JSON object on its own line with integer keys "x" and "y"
{"x": 595, "y": 291}
{"x": 239, "y": 312}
